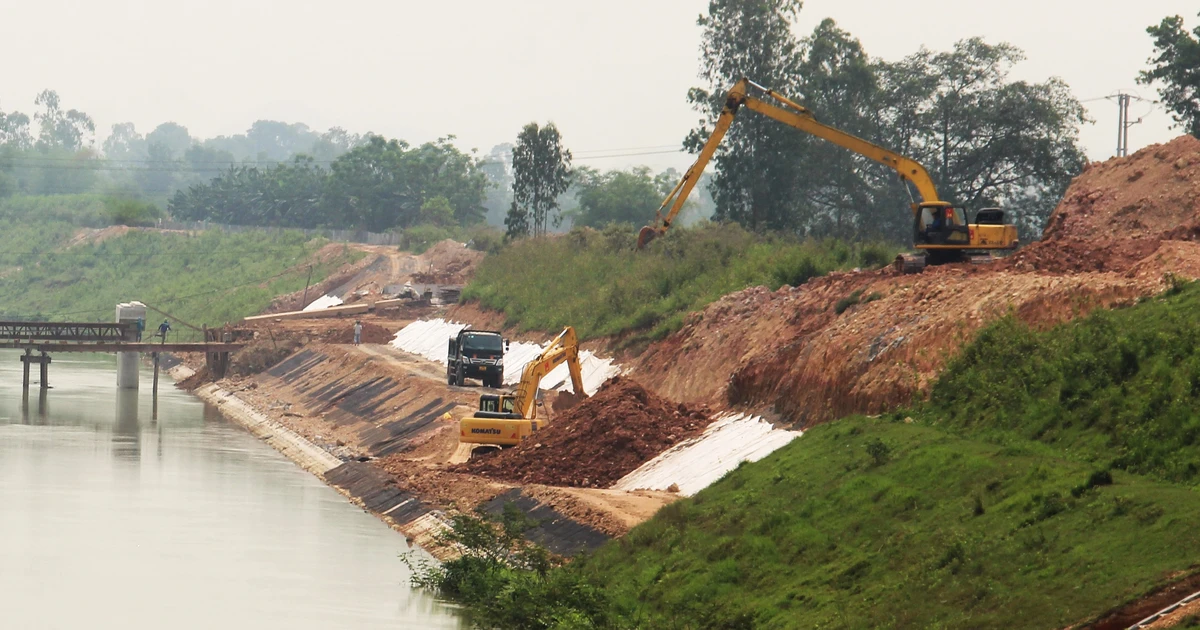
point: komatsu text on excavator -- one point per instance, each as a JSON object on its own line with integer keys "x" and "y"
{"x": 507, "y": 419}
{"x": 940, "y": 230}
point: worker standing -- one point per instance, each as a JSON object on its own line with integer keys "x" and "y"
{"x": 357, "y": 332}
{"x": 141, "y": 327}
{"x": 162, "y": 330}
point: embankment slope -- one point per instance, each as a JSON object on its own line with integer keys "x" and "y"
{"x": 1121, "y": 228}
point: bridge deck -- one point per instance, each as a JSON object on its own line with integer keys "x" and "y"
{"x": 123, "y": 346}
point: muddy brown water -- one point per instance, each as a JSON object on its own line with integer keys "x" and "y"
{"x": 111, "y": 519}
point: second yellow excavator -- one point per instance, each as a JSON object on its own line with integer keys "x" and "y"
{"x": 507, "y": 419}
{"x": 940, "y": 230}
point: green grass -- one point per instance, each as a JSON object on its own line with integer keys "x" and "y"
{"x": 945, "y": 533}
{"x": 596, "y": 282}
{"x": 209, "y": 278}
{"x": 1049, "y": 479}
{"x": 1117, "y": 389}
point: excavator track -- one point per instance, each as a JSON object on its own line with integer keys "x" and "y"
{"x": 909, "y": 263}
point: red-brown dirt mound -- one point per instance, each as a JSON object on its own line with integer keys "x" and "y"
{"x": 1118, "y": 212}
{"x": 1121, "y": 228}
{"x": 598, "y": 441}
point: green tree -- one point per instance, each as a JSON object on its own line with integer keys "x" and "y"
{"x": 616, "y": 197}
{"x": 1176, "y": 69}
{"x": 173, "y": 137}
{"x": 541, "y": 172}
{"x": 439, "y": 169}
{"x": 70, "y": 130}
{"x": 124, "y": 143}
{"x": 370, "y": 189}
{"x": 987, "y": 140}
{"x": 755, "y": 176}
{"x": 14, "y": 130}
{"x": 276, "y": 141}
{"x": 334, "y": 143}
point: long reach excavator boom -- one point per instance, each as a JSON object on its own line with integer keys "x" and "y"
{"x": 939, "y": 228}
{"x": 506, "y": 419}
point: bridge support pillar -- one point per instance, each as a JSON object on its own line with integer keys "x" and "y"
{"x": 127, "y": 370}
{"x": 43, "y": 361}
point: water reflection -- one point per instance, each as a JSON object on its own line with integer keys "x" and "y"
{"x": 111, "y": 519}
{"x": 126, "y": 442}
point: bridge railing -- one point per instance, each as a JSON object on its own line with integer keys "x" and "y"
{"x": 67, "y": 331}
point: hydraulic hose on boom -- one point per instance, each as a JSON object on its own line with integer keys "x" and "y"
{"x": 939, "y": 227}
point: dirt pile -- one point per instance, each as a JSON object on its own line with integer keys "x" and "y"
{"x": 1120, "y": 229}
{"x": 447, "y": 262}
{"x": 598, "y": 441}
{"x": 1119, "y": 212}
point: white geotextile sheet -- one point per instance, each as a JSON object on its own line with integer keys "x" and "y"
{"x": 694, "y": 464}
{"x": 325, "y": 301}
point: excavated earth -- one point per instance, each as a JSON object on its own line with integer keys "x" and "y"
{"x": 1122, "y": 230}
{"x": 597, "y": 442}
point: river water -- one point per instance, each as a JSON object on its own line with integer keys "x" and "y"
{"x": 111, "y": 519}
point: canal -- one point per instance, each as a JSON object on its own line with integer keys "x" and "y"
{"x": 110, "y": 519}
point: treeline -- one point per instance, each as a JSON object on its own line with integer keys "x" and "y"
{"x": 987, "y": 140}
{"x": 379, "y": 185}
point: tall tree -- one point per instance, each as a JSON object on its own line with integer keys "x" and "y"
{"x": 755, "y": 177}
{"x": 173, "y": 137}
{"x": 616, "y": 196}
{"x": 541, "y": 172}
{"x": 987, "y": 140}
{"x": 1176, "y": 69}
{"x": 14, "y": 131}
{"x": 124, "y": 143}
{"x": 70, "y": 130}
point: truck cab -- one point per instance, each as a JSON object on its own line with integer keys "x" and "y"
{"x": 476, "y": 354}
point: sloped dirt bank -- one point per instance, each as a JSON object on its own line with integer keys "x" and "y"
{"x": 864, "y": 342}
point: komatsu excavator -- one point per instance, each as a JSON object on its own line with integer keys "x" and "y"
{"x": 507, "y": 419}
{"x": 940, "y": 230}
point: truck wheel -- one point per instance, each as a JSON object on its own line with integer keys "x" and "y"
{"x": 449, "y": 376}
{"x": 461, "y": 380}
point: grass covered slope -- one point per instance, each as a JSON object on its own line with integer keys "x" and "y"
{"x": 596, "y": 282}
{"x": 1120, "y": 388}
{"x": 865, "y": 523}
{"x": 208, "y": 278}
{"x": 1050, "y": 478}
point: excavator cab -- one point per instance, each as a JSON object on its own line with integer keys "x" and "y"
{"x": 939, "y": 223}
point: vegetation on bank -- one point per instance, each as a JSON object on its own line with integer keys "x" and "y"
{"x": 1048, "y": 480}
{"x": 203, "y": 278}
{"x": 597, "y": 282}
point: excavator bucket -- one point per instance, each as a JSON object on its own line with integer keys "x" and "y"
{"x": 646, "y": 235}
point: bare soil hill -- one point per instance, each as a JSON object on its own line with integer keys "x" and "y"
{"x": 1122, "y": 230}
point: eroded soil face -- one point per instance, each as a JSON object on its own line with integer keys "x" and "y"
{"x": 1122, "y": 227}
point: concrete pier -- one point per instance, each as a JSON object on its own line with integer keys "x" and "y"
{"x": 127, "y": 362}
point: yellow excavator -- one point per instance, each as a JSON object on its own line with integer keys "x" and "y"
{"x": 508, "y": 419}
{"x": 941, "y": 231}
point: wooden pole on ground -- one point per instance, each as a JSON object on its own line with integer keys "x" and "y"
{"x": 25, "y": 381}
{"x": 154, "y": 396}
{"x": 45, "y": 370}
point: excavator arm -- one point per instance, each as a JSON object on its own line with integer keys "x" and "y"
{"x": 496, "y": 423}
{"x": 790, "y": 113}
{"x": 956, "y": 236}
{"x": 564, "y": 347}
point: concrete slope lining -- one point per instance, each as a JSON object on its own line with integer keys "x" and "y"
{"x": 427, "y": 338}
{"x": 696, "y": 463}
{"x": 325, "y": 301}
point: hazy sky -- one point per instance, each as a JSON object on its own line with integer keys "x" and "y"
{"x": 612, "y": 74}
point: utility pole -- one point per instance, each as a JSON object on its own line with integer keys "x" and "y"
{"x": 1123, "y": 122}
